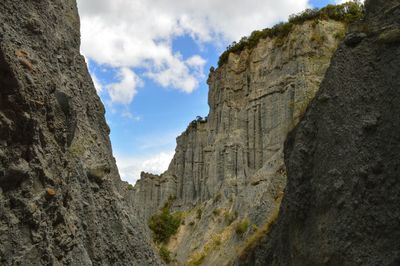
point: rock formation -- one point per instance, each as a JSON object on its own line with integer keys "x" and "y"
{"x": 342, "y": 201}
{"x": 61, "y": 198}
{"x": 230, "y": 164}
{"x": 62, "y": 201}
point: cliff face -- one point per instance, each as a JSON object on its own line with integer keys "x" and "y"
{"x": 232, "y": 162}
{"x": 61, "y": 199}
{"x": 342, "y": 201}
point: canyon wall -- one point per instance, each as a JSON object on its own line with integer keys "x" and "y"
{"x": 232, "y": 161}
{"x": 342, "y": 200}
{"x": 61, "y": 199}
{"x": 255, "y": 99}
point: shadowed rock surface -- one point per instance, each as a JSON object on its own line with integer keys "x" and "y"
{"x": 342, "y": 200}
{"x": 61, "y": 198}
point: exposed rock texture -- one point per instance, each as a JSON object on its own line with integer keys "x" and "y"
{"x": 232, "y": 162}
{"x": 61, "y": 199}
{"x": 342, "y": 201}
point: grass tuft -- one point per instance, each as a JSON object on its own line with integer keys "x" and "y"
{"x": 242, "y": 227}
{"x": 165, "y": 254}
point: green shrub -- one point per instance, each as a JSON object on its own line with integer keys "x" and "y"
{"x": 317, "y": 38}
{"x": 165, "y": 254}
{"x": 242, "y": 227}
{"x": 254, "y": 227}
{"x": 130, "y": 187}
{"x": 217, "y": 241}
{"x": 199, "y": 212}
{"x": 216, "y": 212}
{"x": 315, "y": 23}
{"x": 164, "y": 225}
{"x": 169, "y": 202}
{"x": 230, "y": 217}
{"x": 339, "y": 35}
{"x": 347, "y": 12}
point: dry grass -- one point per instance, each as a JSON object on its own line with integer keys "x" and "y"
{"x": 230, "y": 217}
{"x": 214, "y": 243}
{"x": 318, "y": 38}
{"x": 262, "y": 231}
{"x": 197, "y": 259}
{"x": 216, "y": 212}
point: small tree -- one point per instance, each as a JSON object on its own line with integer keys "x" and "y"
{"x": 164, "y": 225}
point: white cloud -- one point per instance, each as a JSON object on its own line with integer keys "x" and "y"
{"x": 197, "y": 63}
{"x": 178, "y": 73}
{"x": 127, "y": 114}
{"x": 140, "y": 33}
{"x": 131, "y": 167}
{"x": 124, "y": 91}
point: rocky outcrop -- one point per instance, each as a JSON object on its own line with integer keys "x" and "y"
{"x": 232, "y": 161}
{"x": 342, "y": 201}
{"x": 61, "y": 199}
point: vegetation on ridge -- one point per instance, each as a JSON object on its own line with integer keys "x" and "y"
{"x": 347, "y": 12}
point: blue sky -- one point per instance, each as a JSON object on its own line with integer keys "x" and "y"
{"x": 150, "y": 70}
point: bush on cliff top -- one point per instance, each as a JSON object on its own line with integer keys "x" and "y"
{"x": 347, "y": 12}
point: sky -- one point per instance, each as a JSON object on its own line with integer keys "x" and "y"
{"x": 149, "y": 61}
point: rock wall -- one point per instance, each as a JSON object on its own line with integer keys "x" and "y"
{"x": 233, "y": 160}
{"x": 61, "y": 198}
{"x": 342, "y": 201}
{"x": 255, "y": 99}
